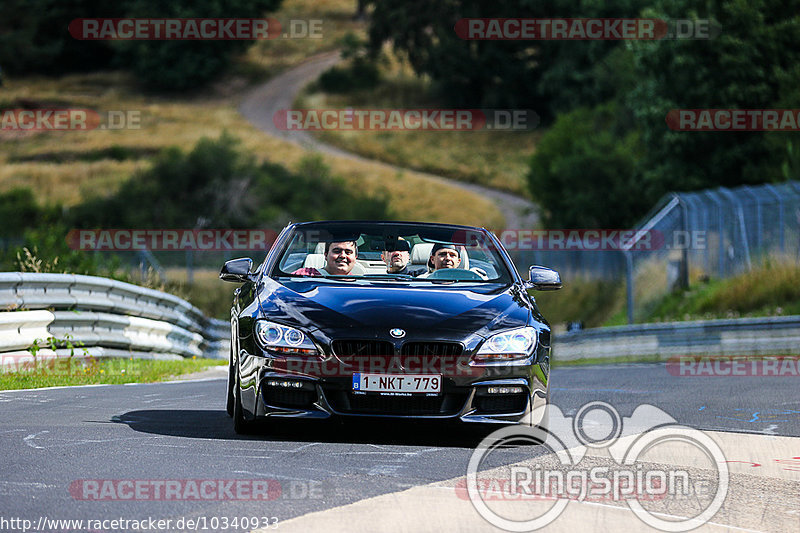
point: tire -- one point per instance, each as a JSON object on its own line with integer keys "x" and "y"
{"x": 241, "y": 425}
{"x": 541, "y": 430}
{"x": 231, "y": 382}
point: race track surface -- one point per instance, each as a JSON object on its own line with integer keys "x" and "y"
{"x": 54, "y": 440}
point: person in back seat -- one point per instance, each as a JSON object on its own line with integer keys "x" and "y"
{"x": 340, "y": 258}
{"x": 397, "y": 260}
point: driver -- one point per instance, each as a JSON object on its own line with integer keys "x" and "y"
{"x": 446, "y": 255}
{"x": 443, "y": 255}
{"x": 340, "y": 257}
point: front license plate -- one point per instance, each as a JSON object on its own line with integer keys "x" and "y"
{"x": 397, "y": 383}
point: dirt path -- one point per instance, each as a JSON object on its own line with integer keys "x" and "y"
{"x": 261, "y": 104}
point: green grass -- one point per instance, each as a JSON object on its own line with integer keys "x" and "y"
{"x": 642, "y": 359}
{"x": 209, "y": 293}
{"x": 76, "y": 371}
{"x": 605, "y": 360}
{"x": 582, "y": 300}
{"x": 771, "y": 289}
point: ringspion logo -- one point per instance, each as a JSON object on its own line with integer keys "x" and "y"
{"x": 631, "y": 474}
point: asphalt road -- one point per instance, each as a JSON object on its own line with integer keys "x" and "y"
{"x": 54, "y": 439}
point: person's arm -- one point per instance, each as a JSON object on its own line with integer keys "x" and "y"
{"x": 307, "y": 271}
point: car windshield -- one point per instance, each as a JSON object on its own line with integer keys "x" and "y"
{"x": 416, "y": 253}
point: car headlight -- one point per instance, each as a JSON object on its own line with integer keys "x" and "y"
{"x": 284, "y": 340}
{"x": 511, "y": 345}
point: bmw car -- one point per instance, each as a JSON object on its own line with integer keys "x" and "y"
{"x": 387, "y": 319}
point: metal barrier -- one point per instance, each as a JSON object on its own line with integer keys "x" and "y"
{"x": 114, "y": 319}
{"x": 104, "y": 318}
{"x": 687, "y": 235}
{"x": 741, "y": 336}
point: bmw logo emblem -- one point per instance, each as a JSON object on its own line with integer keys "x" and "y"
{"x": 397, "y": 333}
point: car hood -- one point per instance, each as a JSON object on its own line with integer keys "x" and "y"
{"x": 339, "y": 306}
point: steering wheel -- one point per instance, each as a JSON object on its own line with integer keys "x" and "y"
{"x": 454, "y": 273}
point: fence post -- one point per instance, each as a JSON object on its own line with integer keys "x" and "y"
{"x": 721, "y": 232}
{"x": 781, "y": 238}
{"x": 629, "y": 283}
{"x": 742, "y": 228}
{"x": 759, "y": 228}
{"x": 683, "y": 272}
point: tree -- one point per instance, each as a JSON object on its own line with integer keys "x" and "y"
{"x": 584, "y": 173}
{"x": 549, "y": 76}
{"x": 752, "y": 64}
{"x": 34, "y": 38}
{"x": 181, "y": 65}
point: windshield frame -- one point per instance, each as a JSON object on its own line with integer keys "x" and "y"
{"x": 427, "y": 232}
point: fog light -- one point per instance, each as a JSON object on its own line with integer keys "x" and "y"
{"x": 504, "y": 390}
{"x": 285, "y": 384}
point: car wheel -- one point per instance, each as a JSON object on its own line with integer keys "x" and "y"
{"x": 544, "y": 426}
{"x": 540, "y": 431}
{"x": 231, "y": 382}
{"x": 241, "y": 425}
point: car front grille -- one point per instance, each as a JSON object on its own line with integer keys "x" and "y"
{"x": 501, "y": 403}
{"x": 440, "y": 349}
{"x": 288, "y": 398}
{"x": 361, "y": 348}
{"x": 376, "y": 404}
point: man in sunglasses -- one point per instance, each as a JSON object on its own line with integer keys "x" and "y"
{"x": 399, "y": 257}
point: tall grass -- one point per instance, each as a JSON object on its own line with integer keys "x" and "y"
{"x": 589, "y": 301}
{"x": 492, "y": 158}
{"x": 69, "y": 371}
{"x": 772, "y": 288}
{"x": 182, "y": 122}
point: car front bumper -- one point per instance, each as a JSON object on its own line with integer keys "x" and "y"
{"x": 270, "y": 392}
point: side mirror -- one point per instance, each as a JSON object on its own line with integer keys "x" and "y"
{"x": 543, "y": 279}
{"x": 237, "y": 270}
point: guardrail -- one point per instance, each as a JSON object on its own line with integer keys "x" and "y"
{"x": 739, "y": 336}
{"x": 106, "y": 318}
{"x": 115, "y": 319}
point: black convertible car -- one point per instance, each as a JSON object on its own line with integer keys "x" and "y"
{"x": 448, "y": 330}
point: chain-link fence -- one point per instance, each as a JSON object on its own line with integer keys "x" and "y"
{"x": 715, "y": 233}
